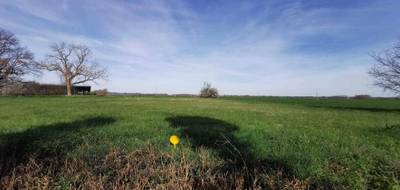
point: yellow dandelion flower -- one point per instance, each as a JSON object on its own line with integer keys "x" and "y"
{"x": 174, "y": 140}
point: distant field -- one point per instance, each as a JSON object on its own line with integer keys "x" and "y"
{"x": 89, "y": 142}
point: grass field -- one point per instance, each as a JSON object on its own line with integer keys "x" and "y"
{"x": 90, "y": 142}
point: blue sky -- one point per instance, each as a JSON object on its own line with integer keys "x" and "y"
{"x": 281, "y": 47}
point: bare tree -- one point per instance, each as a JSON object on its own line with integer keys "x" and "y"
{"x": 15, "y": 61}
{"x": 208, "y": 92}
{"x": 387, "y": 69}
{"x": 73, "y": 64}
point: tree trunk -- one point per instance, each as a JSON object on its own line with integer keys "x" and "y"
{"x": 69, "y": 87}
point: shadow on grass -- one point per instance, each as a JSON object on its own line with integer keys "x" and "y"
{"x": 219, "y": 136}
{"x": 392, "y": 131}
{"x": 371, "y": 105}
{"x": 356, "y": 105}
{"x": 370, "y": 109}
{"x": 47, "y": 143}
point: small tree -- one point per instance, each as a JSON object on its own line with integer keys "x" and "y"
{"x": 72, "y": 63}
{"x": 15, "y": 61}
{"x": 387, "y": 69}
{"x": 208, "y": 92}
{"x": 101, "y": 92}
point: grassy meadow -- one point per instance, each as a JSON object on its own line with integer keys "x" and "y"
{"x": 87, "y": 142}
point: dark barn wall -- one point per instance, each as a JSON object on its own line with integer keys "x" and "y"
{"x": 81, "y": 89}
{"x": 44, "y": 89}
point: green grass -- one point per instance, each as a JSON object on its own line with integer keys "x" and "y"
{"x": 351, "y": 144}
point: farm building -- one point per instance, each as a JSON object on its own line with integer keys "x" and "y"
{"x": 33, "y": 88}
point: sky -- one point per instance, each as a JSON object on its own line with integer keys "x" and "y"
{"x": 275, "y": 48}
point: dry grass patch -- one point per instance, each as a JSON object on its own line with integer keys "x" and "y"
{"x": 146, "y": 168}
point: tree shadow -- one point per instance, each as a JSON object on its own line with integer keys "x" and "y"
{"x": 46, "y": 143}
{"x": 219, "y": 136}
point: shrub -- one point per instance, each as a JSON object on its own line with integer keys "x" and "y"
{"x": 208, "y": 92}
{"x": 102, "y": 92}
{"x": 362, "y": 96}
